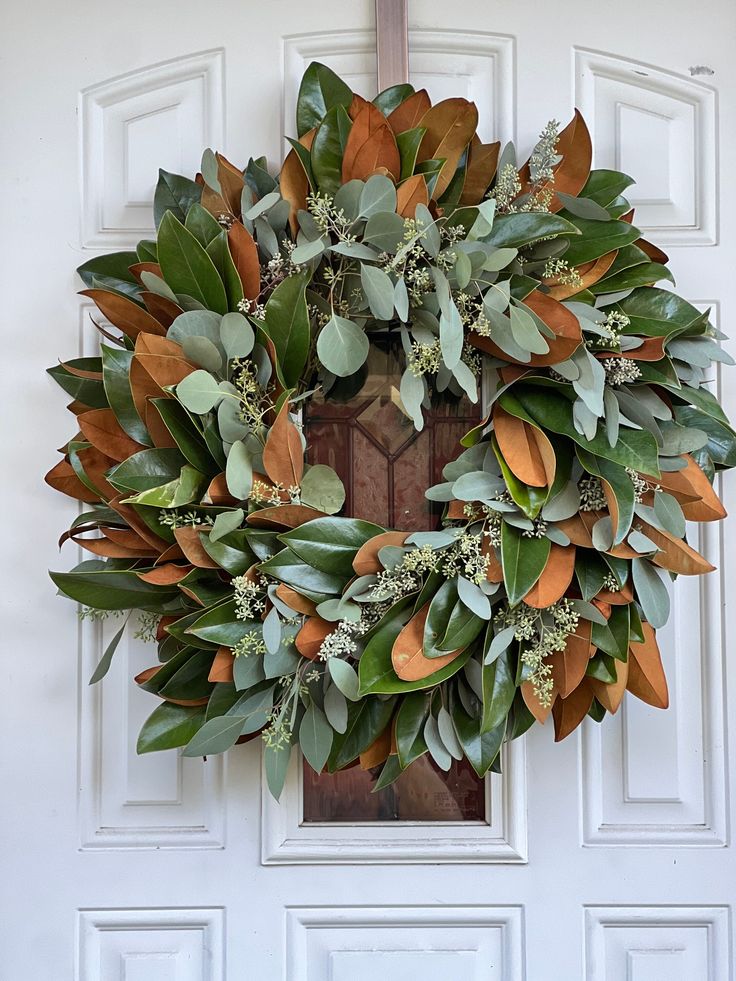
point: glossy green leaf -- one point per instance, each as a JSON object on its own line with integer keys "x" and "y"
{"x": 216, "y": 736}
{"x": 330, "y": 544}
{"x": 523, "y": 560}
{"x": 287, "y": 324}
{"x": 186, "y": 266}
{"x": 320, "y": 89}
{"x": 170, "y": 726}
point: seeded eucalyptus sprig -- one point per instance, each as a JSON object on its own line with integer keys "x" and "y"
{"x": 391, "y": 225}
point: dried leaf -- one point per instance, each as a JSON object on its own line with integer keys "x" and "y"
{"x": 131, "y": 518}
{"x": 520, "y": 448}
{"x": 407, "y": 654}
{"x": 409, "y": 194}
{"x": 63, "y": 479}
{"x": 555, "y": 579}
{"x": 494, "y": 569}
{"x": 309, "y": 639}
{"x": 231, "y": 181}
{"x": 165, "y": 575}
{"x": 378, "y": 751}
{"x": 191, "y": 546}
{"x": 283, "y": 457}
{"x": 611, "y": 696}
{"x": 450, "y": 126}
{"x": 540, "y": 712}
{"x": 646, "y": 677}
{"x": 482, "y": 163}
{"x": 101, "y": 428}
{"x": 569, "y": 712}
{"x": 569, "y": 666}
{"x": 560, "y": 320}
{"x": 244, "y": 253}
{"x": 294, "y": 183}
{"x": 366, "y": 560}
{"x": 370, "y": 145}
{"x": 675, "y": 554}
{"x": 407, "y": 115}
{"x": 570, "y": 175}
{"x": 161, "y": 307}
{"x": 284, "y": 516}
{"x": 222, "y": 665}
{"x": 295, "y": 601}
{"x": 124, "y": 314}
{"x": 589, "y": 273}
{"x": 693, "y": 490}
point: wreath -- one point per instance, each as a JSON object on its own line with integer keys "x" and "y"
{"x": 562, "y": 516}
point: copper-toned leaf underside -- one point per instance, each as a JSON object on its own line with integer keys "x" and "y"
{"x": 366, "y": 560}
{"x": 611, "y": 696}
{"x": 407, "y": 654}
{"x": 295, "y": 601}
{"x": 409, "y": 194}
{"x": 569, "y": 712}
{"x": 245, "y": 256}
{"x": 527, "y": 451}
{"x": 564, "y": 324}
{"x": 124, "y": 314}
{"x": 646, "y": 677}
{"x": 313, "y": 632}
{"x": 222, "y": 666}
{"x": 694, "y": 492}
{"x": 450, "y": 126}
{"x": 371, "y": 145}
{"x": 190, "y": 544}
{"x": 482, "y": 163}
{"x": 569, "y": 666}
{"x": 555, "y": 579}
{"x": 410, "y": 112}
{"x": 378, "y": 751}
{"x": 283, "y": 458}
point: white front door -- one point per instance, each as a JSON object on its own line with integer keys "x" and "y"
{"x": 603, "y": 858}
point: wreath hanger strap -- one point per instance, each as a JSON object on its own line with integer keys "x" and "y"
{"x": 392, "y": 42}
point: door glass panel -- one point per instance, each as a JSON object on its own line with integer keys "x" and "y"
{"x": 385, "y": 465}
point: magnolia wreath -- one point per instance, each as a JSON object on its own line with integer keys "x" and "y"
{"x": 559, "y": 522}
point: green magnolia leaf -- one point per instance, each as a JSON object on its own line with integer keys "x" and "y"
{"x": 481, "y": 748}
{"x": 320, "y": 89}
{"x": 199, "y": 392}
{"x": 499, "y": 688}
{"x": 523, "y": 560}
{"x": 392, "y": 97}
{"x": 635, "y": 448}
{"x": 327, "y": 149}
{"x": 215, "y": 736}
{"x": 598, "y": 238}
{"x": 315, "y": 737}
{"x": 410, "y": 720}
{"x": 287, "y": 324}
{"x": 116, "y": 379}
{"x": 239, "y": 471}
{"x": 366, "y": 721}
{"x": 515, "y": 230}
{"x": 322, "y": 489}
{"x": 604, "y": 186}
{"x": 170, "y": 726}
{"x": 187, "y": 435}
{"x": 313, "y": 583}
{"x": 202, "y": 224}
{"x": 342, "y": 346}
{"x": 379, "y": 291}
{"x": 89, "y": 391}
{"x": 113, "y": 589}
{"x": 330, "y": 544}
{"x": 112, "y": 267}
{"x": 655, "y": 312}
{"x": 186, "y": 266}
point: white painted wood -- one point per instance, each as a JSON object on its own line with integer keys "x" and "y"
{"x": 168, "y": 864}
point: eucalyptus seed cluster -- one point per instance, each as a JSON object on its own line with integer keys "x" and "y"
{"x": 592, "y": 495}
{"x": 559, "y": 270}
{"x": 250, "y": 601}
{"x": 466, "y": 558}
{"x": 621, "y": 371}
{"x": 406, "y": 576}
{"x": 176, "y": 518}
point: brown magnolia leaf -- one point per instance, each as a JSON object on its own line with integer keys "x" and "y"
{"x": 570, "y": 175}
{"x": 283, "y": 458}
{"x": 214, "y": 202}
{"x": 150, "y": 267}
{"x": 222, "y": 666}
{"x": 370, "y": 145}
{"x": 494, "y": 569}
{"x": 218, "y": 493}
{"x": 652, "y": 251}
{"x": 611, "y": 696}
{"x": 603, "y": 607}
{"x": 555, "y": 579}
{"x": 519, "y": 448}
{"x": 563, "y": 323}
{"x": 690, "y": 483}
{"x": 151, "y": 373}
{"x": 482, "y": 164}
{"x": 134, "y": 521}
{"x": 123, "y": 313}
{"x": 674, "y": 554}
{"x": 313, "y": 632}
{"x": 81, "y": 372}
{"x": 284, "y": 516}
{"x": 108, "y": 549}
{"x": 96, "y": 464}
{"x": 63, "y": 479}
{"x": 244, "y": 253}
{"x": 162, "y": 346}
{"x": 569, "y": 666}
{"x": 130, "y": 539}
{"x": 157, "y": 429}
{"x": 569, "y": 712}
{"x": 450, "y": 126}
{"x": 161, "y": 307}
{"x": 231, "y": 181}
{"x": 189, "y": 542}
{"x": 590, "y": 273}
{"x": 356, "y": 104}
{"x": 294, "y": 183}
{"x": 295, "y": 601}
{"x": 540, "y": 712}
{"x": 165, "y": 575}
{"x": 101, "y": 428}
{"x": 651, "y": 349}
{"x": 366, "y": 560}
{"x": 407, "y": 654}
{"x": 408, "y": 114}
{"x": 621, "y": 598}
{"x": 646, "y": 675}
{"x": 409, "y": 194}
{"x": 378, "y": 751}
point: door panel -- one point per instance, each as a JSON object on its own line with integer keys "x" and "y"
{"x": 600, "y": 859}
